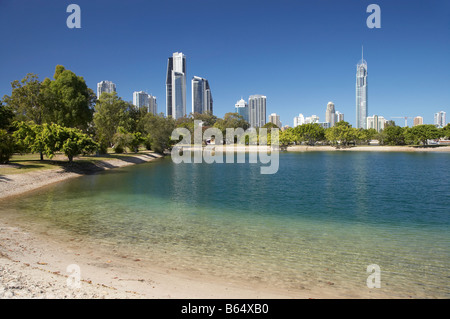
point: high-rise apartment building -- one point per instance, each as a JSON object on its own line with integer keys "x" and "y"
{"x": 176, "y": 86}
{"x": 339, "y": 117}
{"x": 376, "y": 122}
{"x": 105, "y": 87}
{"x": 257, "y": 110}
{"x": 330, "y": 114}
{"x": 362, "y": 105}
{"x": 275, "y": 119}
{"x": 242, "y": 109}
{"x": 440, "y": 119}
{"x": 143, "y": 99}
{"x": 418, "y": 120}
{"x": 202, "y": 101}
{"x": 299, "y": 120}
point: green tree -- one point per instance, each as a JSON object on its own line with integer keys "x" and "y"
{"x": 27, "y": 99}
{"x": 207, "y": 118}
{"x": 158, "y": 131}
{"x": 287, "y": 137}
{"x": 35, "y": 138}
{"x": 309, "y": 133}
{"x": 366, "y": 135}
{"x": 70, "y": 103}
{"x": 7, "y": 146}
{"x": 6, "y": 116}
{"x": 342, "y": 134}
{"x": 270, "y": 125}
{"x": 394, "y": 135}
{"x": 73, "y": 142}
{"x": 422, "y": 133}
{"x": 445, "y": 131}
{"x": 111, "y": 112}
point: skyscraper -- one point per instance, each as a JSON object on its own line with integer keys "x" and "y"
{"x": 275, "y": 119}
{"x": 202, "y": 101}
{"x": 418, "y": 120}
{"x": 376, "y": 122}
{"x": 176, "y": 86}
{"x": 440, "y": 119}
{"x": 361, "y": 94}
{"x": 242, "y": 109}
{"x": 257, "y": 110}
{"x": 299, "y": 120}
{"x": 339, "y": 117}
{"x": 330, "y": 114}
{"x": 143, "y": 99}
{"x": 105, "y": 87}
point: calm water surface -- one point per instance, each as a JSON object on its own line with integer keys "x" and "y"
{"x": 321, "y": 220}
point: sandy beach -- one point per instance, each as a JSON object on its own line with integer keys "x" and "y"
{"x": 37, "y": 264}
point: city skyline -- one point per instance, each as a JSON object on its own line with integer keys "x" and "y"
{"x": 323, "y": 68}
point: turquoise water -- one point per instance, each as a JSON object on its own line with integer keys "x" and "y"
{"x": 318, "y": 222}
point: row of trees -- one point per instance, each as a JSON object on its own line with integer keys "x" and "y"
{"x": 343, "y": 134}
{"x": 48, "y": 116}
{"x": 64, "y": 115}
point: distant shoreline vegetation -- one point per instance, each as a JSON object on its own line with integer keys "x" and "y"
{"x": 64, "y": 115}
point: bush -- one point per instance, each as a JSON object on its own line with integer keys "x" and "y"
{"x": 7, "y": 147}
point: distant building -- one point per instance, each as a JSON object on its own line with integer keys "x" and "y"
{"x": 339, "y": 117}
{"x": 330, "y": 114}
{"x": 275, "y": 119}
{"x": 257, "y": 110}
{"x": 311, "y": 119}
{"x": 299, "y": 120}
{"x": 143, "y": 99}
{"x": 418, "y": 120}
{"x": 176, "y": 86}
{"x": 361, "y": 94}
{"x": 202, "y": 101}
{"x": 376, "y": 122}
{"x": 439, "y": 119}
{"x": 325, "y": 125}
{"x": 105, "y": 87}
{"x": 242, "y": 109}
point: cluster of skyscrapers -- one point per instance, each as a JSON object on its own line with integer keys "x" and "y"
{"x": 254, "y": 112}
{"x": 202, "y": 100}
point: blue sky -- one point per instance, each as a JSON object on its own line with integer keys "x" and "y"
{"x": 300, "y": 54}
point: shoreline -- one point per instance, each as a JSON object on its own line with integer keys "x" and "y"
{"x": 317, "y": 148}
{"x": 21, "y": 183}
{"x": 34, "y": 261}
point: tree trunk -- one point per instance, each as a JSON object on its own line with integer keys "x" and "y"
{"x": 41, "y": 155}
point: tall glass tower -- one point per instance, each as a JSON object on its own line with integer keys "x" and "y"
{"x": 361, "y": 94}
{"x": 105, "y": 86}
{"x": 202, "y": 101}
{"x": 257, "y": 110}
{"x": 176, "y": 86}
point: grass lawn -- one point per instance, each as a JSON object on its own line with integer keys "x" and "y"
{"x": 24, "y": 163}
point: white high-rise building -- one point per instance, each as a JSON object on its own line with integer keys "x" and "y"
{"x": 143, "y": 99}
{"x": 105, "y": 87}
{"x": 275, "y": 119}
{"x": 362, "y": 105}
{"x": 257, "y": 110}
{"x": 330, "y": 114}
{"x": 299, "y": 120}
{"x": 176, "y": 86}
{"x": 376, "y": 122}
{"x": 202, "y": 101}
{"x": 311, "y": 119}
{"x": 440, "y": 119}
{"x": 339, "y": 117}
{"x": 241, "y": 108}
